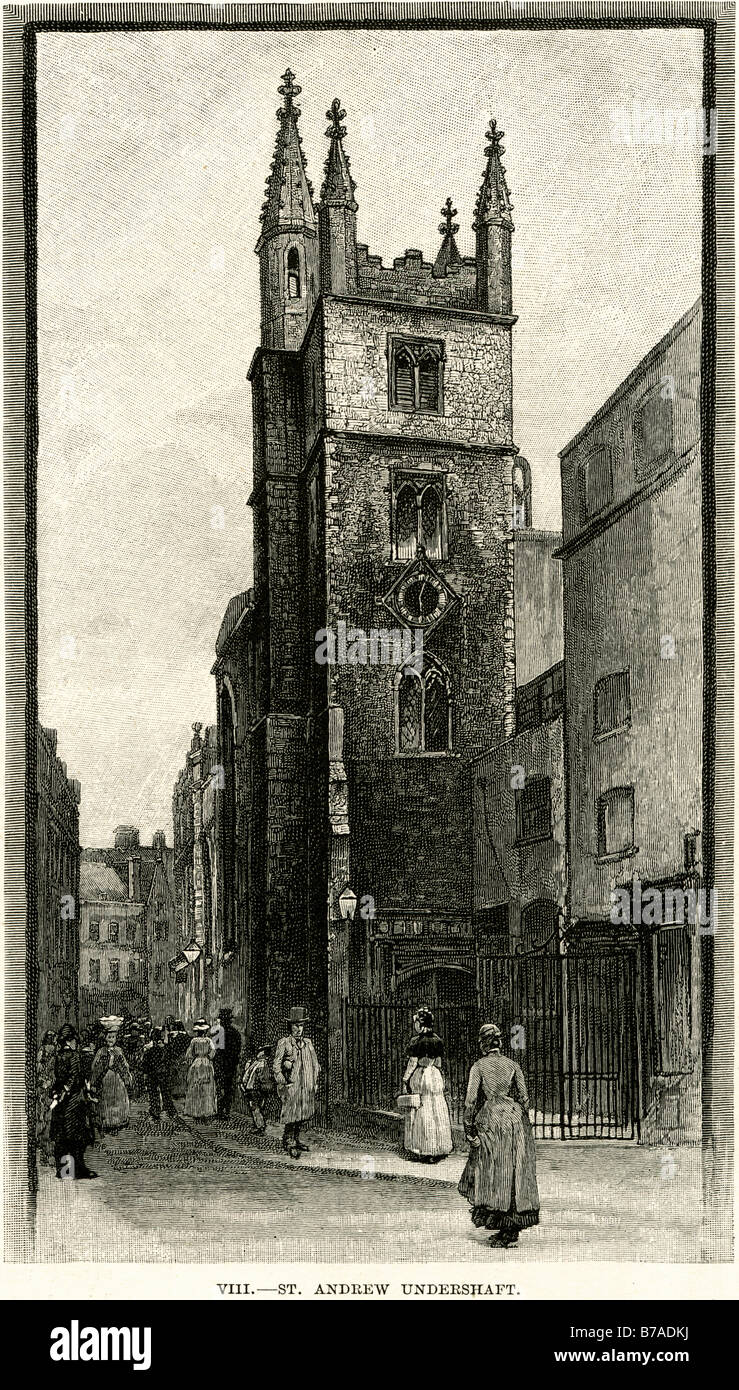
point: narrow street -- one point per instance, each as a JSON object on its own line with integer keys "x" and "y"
{"x": 222, "y": 1195}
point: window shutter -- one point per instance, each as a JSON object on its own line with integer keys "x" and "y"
{"x": 612, "y": 702}
{"x": 428, "y": 384}
{"x": 404, "y": 392}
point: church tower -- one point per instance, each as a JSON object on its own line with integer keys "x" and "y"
{"x": 384, "y": 513}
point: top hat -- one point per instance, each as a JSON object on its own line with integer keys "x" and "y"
{"x": 225, "y": 1013}
{"x": 298, "y": 1015}
{"x": 201, "y": 1025}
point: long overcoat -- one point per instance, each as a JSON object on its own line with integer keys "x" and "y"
{"x": 299, "y": 1095}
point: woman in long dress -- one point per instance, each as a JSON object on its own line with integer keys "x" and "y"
{"x": 428, "y": 1130}
{"x": 499, "y": 1179}
{"x": 111, "y": 1080}
{"x": 45, "y": 1071}
{"x": 200, "y": 1100}
{"x": 72, "y": 1127}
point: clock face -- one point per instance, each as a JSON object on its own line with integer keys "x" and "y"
{"x": 421, "y": 600}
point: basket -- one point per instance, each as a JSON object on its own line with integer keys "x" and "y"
{"x": 408, "y": 1102}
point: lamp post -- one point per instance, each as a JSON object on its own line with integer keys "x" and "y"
{"x": 339, "y": 930}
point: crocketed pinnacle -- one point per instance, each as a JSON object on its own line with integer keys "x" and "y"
{"x": 493, "y": 201}
{"x": 289, "y": 196}
{"x": 338, "y": 184}
{"x": 448, "y": 251}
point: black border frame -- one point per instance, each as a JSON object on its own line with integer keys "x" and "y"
{"x": 23, "y": 23}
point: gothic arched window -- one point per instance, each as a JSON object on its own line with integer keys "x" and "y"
{"x": 293, "y": 273}
{"x": 416, "y": 368}
{"x": 418, "y": 510}
{"x": 406, "y": 523}
{"x": 423, "y": 709}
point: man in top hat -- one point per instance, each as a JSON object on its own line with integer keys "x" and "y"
{"x": 227, "y": 1041}
{"x": 295, "y": 1069}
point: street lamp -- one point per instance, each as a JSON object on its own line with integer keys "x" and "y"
{"x": 347, "y": 903}
{"x": 191, "y": 951}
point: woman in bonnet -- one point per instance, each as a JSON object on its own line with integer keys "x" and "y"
{"x": 428, "y": 1131}
{"x": 499, "y": 1179}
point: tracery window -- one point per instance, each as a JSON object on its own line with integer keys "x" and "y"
{"x": 423, "y": 709}
{"x": 416, "y": 375}
{"x": 419, "y": 516}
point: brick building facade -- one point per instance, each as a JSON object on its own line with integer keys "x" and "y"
{"x": 127, "y": 925}
{"x": 207, "y": 964}
{"x": 632, "y": 582}
{"x": 58, "y": 877}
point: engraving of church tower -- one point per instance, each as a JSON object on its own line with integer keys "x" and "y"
{"x": 386, "y": 490}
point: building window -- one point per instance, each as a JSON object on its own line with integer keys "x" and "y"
{"x": 521, "y": 478}
{"x": 133, "y": 970}
{"x": 616, "y": 822}
{"x": 416, "y": 375}
{"x": 534, "y": 811}
{"x": 612, "y": 709}
{"x": 161, "y": 931}
{"x": 131, "y": 933}
{"x": 113, "y": 933}
{"x": 596, "y": 483}
{"x": 94, "y": 971}
{"x": 114, "y": 970}
{"x": 94, "y": 931}
{"x": 540, "y": 700}
{"x": 652, "y": 430}
{"x": 418, "y": 514}
{"x": 422, "y": 710}
{"x": 293, "y": 273}
{"x": 158, "y": 973}
{"x": 692, "y": 851}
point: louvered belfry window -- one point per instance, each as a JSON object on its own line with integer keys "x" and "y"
{"x": 404, "y": 386}
{"x": 416, "y": 375}
{"x": 428, "y": 384}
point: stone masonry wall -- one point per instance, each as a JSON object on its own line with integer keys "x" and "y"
{"x": 410, "y": 279}
{"x": 477, "y": 372}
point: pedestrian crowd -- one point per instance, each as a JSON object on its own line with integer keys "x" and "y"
{"x": 86, "y": 1081}
{"x": 85, "y": 1085}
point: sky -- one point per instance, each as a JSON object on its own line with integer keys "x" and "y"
{"x": 153, "y": 154}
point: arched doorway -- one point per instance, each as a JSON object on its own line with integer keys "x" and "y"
{"x": 436, "y": 985}
{"x": 539, "y": 927}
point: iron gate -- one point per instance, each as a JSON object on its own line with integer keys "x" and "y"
{"x": 570, "y": 1021}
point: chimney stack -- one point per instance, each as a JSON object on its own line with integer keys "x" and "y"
{"x": 134, "y": 879}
